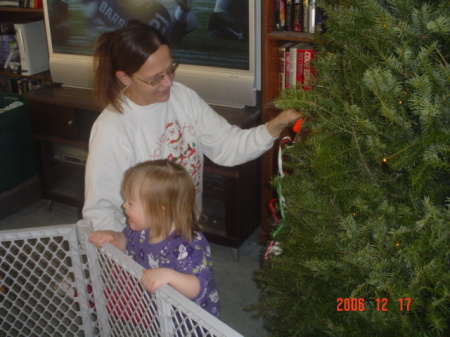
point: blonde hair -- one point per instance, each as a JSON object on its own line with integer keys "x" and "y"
{"x": 167, "y": 193}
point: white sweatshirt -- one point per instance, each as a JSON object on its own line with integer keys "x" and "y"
{"x": 183, "y": 129}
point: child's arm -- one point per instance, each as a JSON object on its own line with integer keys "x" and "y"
{"x": 186, "y": 284}
{"x": 115, "y": 238}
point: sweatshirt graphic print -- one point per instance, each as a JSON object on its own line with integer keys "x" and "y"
{"x": 180, "y": 150}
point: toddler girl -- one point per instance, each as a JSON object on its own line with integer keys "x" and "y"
{"x": 162, "y": 232}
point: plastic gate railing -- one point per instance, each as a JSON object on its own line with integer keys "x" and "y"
{"x": 53, "y": 282}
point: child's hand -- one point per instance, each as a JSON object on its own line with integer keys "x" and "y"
{"x": 186, "y": 284}
{"x": 100, "y": 237}
{"x": 154, "y": 278}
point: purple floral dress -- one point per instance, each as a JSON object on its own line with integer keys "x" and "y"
{"x": 178, "y": 254}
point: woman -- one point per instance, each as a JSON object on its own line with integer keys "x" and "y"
{"x": 148, "y": 116}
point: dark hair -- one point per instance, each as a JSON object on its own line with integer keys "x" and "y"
{"x": 125, "y": 49}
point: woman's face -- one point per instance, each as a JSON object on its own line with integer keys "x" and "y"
{"x": 142, "y": 93}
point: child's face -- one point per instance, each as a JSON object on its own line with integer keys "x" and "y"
{"x": 135, "y": 213}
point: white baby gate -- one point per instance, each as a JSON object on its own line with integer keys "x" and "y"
{"x": 53, "y": 282}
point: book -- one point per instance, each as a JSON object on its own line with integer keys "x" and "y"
{"x": 297, "y": 16}
{"x": 277, "y": 15}
{"x": 305, "y": 71}
{"x": 282, "y": 51}
{"x": 289, "y": 14}
{"x": 320, "y": 20}
{"x": 287, "y": 67}
{"x": 306, "y": 16}
{"x": 32, "y": 41}
{"x": 311, "y": 16}
{"x": 293, "y": 54}
{"x": 303, "y": 50}
{"x": 282, "y": 13}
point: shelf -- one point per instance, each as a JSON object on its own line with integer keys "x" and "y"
{"x": 20, "y": 14}
{"x": 49, "y": 139}
{"x": 290, "y": 36}
{"x": 44, "y": 75}
{"x": 21, "y": 9}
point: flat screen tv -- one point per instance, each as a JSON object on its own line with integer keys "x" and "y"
{"x": 213, "y": 40}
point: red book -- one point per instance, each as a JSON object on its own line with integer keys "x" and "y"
{"x": 304, "y": 69}
{"x": 308, "y": 71}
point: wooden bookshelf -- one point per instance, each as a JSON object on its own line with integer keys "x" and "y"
{"x": 271, "y": 40}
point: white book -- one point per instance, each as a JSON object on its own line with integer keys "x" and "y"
{"x": 293, "y": 63}
{"x": 312, "y": 16}
{"x": 32, "y": 41}
{"x": 283, "y": 61}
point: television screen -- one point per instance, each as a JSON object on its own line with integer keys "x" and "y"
{"x": 201, "y": 32}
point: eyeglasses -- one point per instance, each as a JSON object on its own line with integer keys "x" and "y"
{"x": 157, "y": 80}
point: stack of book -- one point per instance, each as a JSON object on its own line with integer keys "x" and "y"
{"x": 20, "y": 85}
{"x": 294, "y": 65}
{"x": 299, "y": 16}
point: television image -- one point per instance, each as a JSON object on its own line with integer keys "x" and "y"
{"x": 213, "y": 40}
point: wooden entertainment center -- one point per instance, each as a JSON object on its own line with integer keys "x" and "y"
{"x": 64, "y": 116}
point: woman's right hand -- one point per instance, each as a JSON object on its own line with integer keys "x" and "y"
{"x": 283, "y": 120}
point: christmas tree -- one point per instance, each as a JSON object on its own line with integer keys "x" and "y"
{"x": 364, "y": 230}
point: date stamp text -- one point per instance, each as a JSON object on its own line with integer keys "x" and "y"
{"x": 381, "y": 304}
